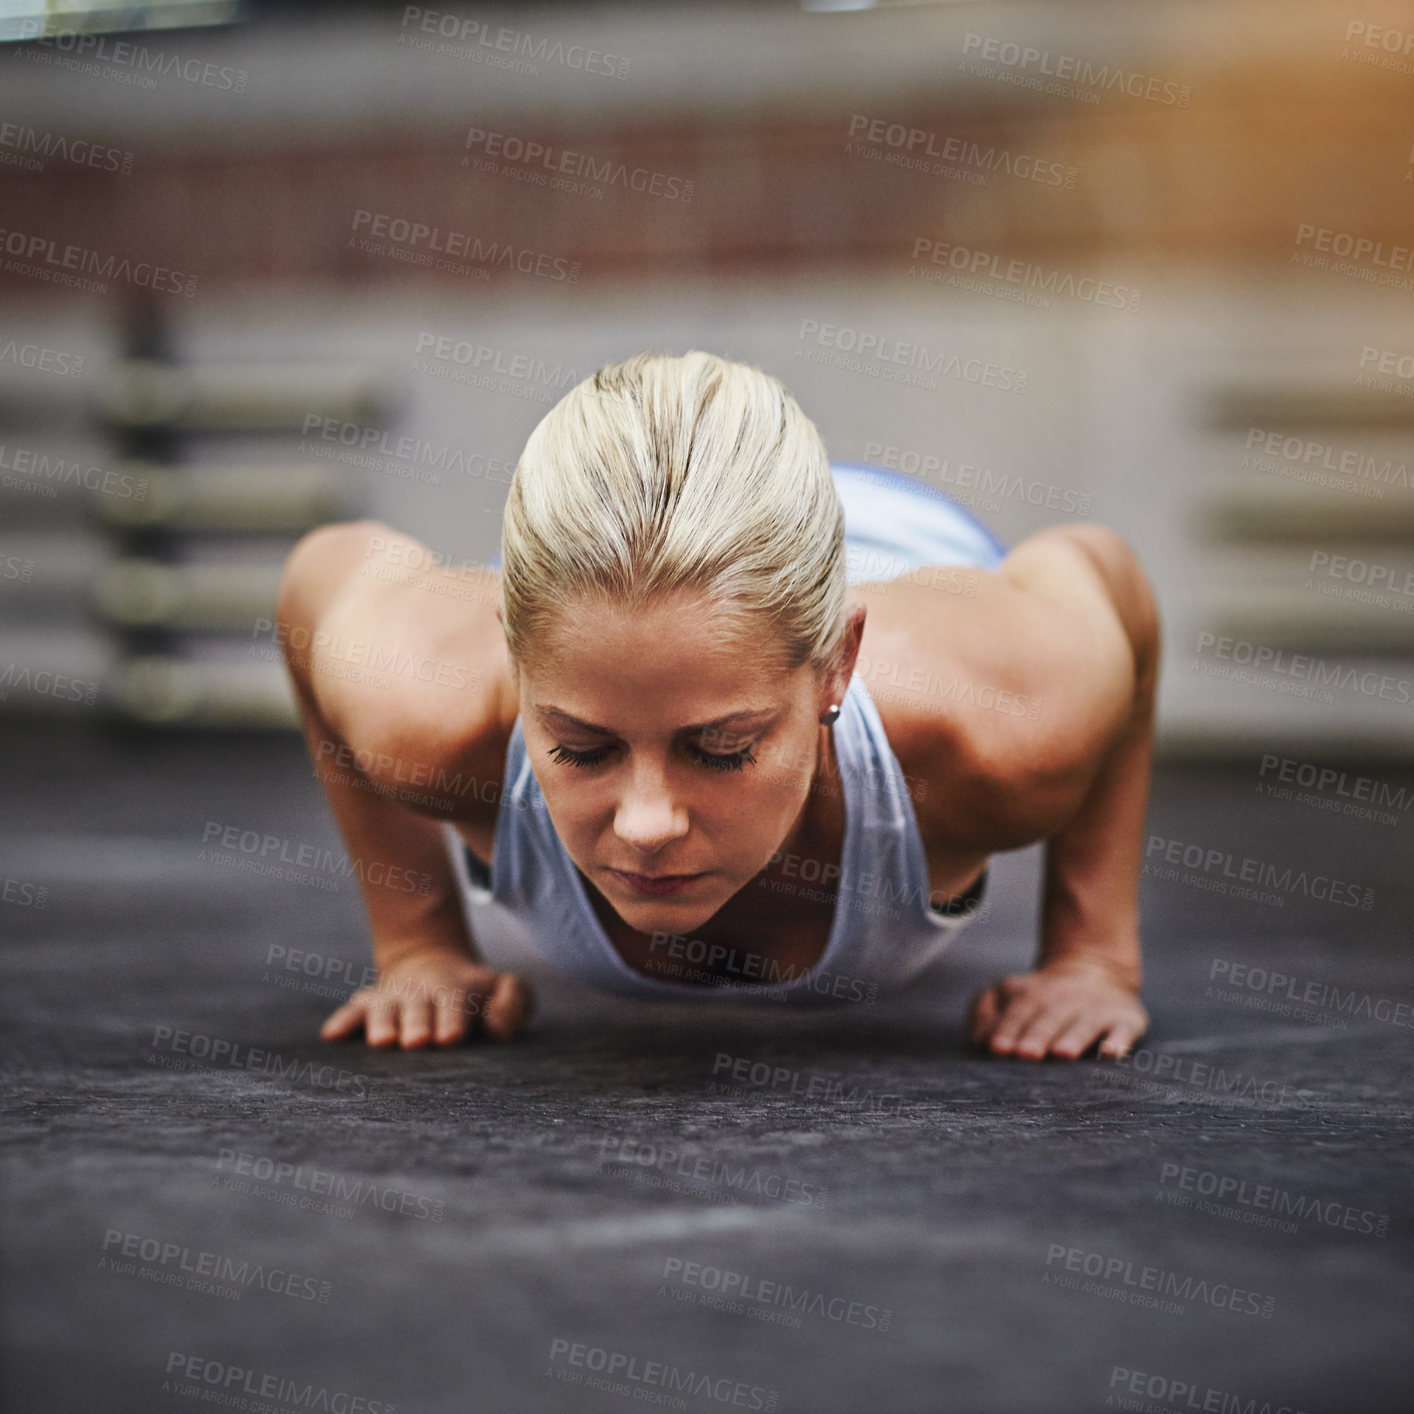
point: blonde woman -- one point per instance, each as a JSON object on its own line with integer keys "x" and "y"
{"x": 726, "y": 723}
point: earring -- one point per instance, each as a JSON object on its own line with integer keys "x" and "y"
{"x": 832, "y": 714}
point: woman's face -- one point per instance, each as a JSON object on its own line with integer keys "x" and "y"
{"x": 674, "y": 757}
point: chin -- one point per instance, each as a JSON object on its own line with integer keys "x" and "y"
{"x": 665, "y": 915}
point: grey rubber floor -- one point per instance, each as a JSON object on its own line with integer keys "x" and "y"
{"x": 553, "y": 1225}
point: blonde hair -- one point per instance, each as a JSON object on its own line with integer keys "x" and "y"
{"x": 661, "y": 474}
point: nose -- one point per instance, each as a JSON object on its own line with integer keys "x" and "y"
{"x": 648, "y": 817}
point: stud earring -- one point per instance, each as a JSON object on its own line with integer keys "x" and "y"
{"x": 832, "y": 714}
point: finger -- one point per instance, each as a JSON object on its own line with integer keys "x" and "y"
{"x": 1078, "y": 1037}
{"x": 980, "y": 1010}
{"x": 1015, "y": 1018}
{"x": 343, "y": 1022}
{"x": 503, "y": 1008}
{"x": 982, "y": 1015}
{"x": 380, "y": 1021}
{"x": 453, "y": 1015}
{"x": 508, "y": 1008}
{"x": 1121, "y": 1037}
{"x": 415, "y": 1023}
{"x": 1042, "y": 1030}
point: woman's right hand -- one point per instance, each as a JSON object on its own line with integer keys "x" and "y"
{"x": 434, "y": 997}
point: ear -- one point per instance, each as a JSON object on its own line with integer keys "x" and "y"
{"x": 846, "y": 655}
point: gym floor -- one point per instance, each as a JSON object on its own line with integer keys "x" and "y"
{"x": 678, "y": 1206}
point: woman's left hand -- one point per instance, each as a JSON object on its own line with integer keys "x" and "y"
{"x": 1060, "y": 1009}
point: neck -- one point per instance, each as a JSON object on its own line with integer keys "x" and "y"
{"x": 816, "y": 822}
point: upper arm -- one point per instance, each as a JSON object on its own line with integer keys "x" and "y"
{"x": 1084, "y": 584}
{"x": 1057, "y": 626}
{"x": 318, "y": 567}
{"x": 409, "y": 679}
{"x": 1096, "y": 574}
{"x": 316, "y": 575}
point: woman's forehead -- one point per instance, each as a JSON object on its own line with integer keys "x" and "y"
{"x": 742, "y": 719}
{"x": 648, "y": 678}
{"x": 666, "y": 631}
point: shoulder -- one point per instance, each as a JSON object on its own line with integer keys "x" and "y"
{"x": 407, "y": 667}
{"x": 1005, "y": 697}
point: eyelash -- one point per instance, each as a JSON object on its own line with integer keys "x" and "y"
{"x": 734, "y": 762}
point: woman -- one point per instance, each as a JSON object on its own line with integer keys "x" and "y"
{"x": 700, "y": 755}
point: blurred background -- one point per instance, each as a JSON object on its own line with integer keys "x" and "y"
{"x": 1146, "y": 265}
{"x": 265, "y": 266}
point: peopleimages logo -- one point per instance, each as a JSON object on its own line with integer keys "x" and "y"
{"x": 666, "y": 1165}
{"x": 917, "y": 149}
{"x": 1314, "y": 457}
{"x": 1298, "y": 672}
{"x": 82, "y": 152}
{"x": 1260, "y": 872}
{"x": 1346, "y": 243}
{"x": 1183, "y": 1394}
{"x": 641, "y": 1379}
{"x": 992, "y": 266}
{"x": 755, "y": 1076}
{"x": 43, "y": 360}
{"x": 961, "y": 476}
{"x": 544, "y": 164}
{"x": 58, "y": 261}
{"x": 1005, "y": 54}
{"x": 487, "y": 366}
{"x": 1323, "y": 784}
{"x": 1388, "y": 363}
{"x": 275, "y": 849}
{"x": 228, "y": 1384}
{"x": 1269, "y": 1203}
{"x": 503, "y": 47}
{"x": 777, "y": 1302}
{"x": 899, "y": 361}
{"x": 45, "y": 683}
{"x": 754, "y": 968}
{"x": 214, "y": 1266}
{"x": 1391, "y": 47}
{"x": 1149, "y": 1286}
{"x": 234, "y": 1165}
{"x": 429, "y": 458}
{"x": 1269, "y": 990}
{"x": 1222, "y": 1084}
{"x": 43, "y": 474}
{"x": 23, "y": 893}
{"x": 130, "y": 63}
{"x": 456, "y": 247}
{"x": 212, "y": 1051}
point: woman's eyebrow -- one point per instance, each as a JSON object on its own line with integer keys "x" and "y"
{"x": 745, "y": 716}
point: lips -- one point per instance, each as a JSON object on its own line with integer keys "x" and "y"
{"x": 654, "y": 883}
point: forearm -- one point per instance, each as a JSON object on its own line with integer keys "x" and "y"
{"x": 389, "y": 845}
{"x": 1090, "y": 897}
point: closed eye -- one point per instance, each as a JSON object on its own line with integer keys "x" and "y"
{"x": 712, "y": 762}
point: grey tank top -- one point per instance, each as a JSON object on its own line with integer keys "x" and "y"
{"x": 885, "y": 930}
